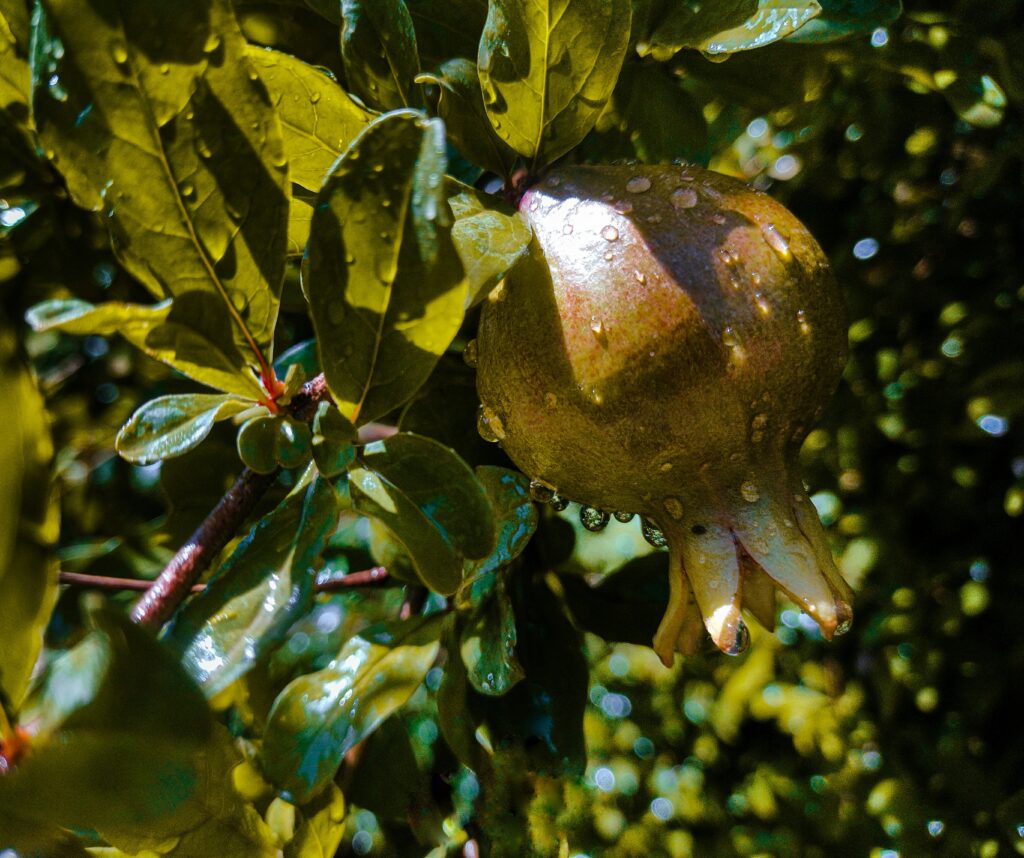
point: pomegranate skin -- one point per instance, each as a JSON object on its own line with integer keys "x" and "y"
{"x": 664, "y": 349}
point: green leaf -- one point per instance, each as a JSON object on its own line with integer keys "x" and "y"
{"x": 318, "y": 717}
{"x": 155, "y": 116}
{"x": 15, "y": 78}
{"x": 300, "y": 218}
{"x": 773, "y": 20}
{"x": 430, "y": 500}
{"x": 381, "y": 273}
{"x": 840, "y": 19}
{"x": 690, "y": 24}
{"x": 547, "y": 70}
{"x": 663, "y": 121}
{"x": 171, "y": 425}
{"x": 320, "y": 825}
{"x": 263, "y": 587}
{"x": 29, "y": 523}
{"x": 489, "y": 235}
{"x": 460, "y": 104}
{"x": 447, "y": 28}
{"x": 183, "y": 334}
{"x": 388, "y": 781}
{"x": 318, "y": 118}
{"x": 488, "y": 644}
{"x": 378, "y": 50}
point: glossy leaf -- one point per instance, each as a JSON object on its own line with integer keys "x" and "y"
{"x": 460, "y": 104}
{"x": 155, "y": 116}
{"x": 381, "y": 273}
{"x": 488, "y": 645}
{"x": 489, "y": 235}
{"x": 319, "y": 826}
{"x": 689, "y": 25}
{"x": 430, "y": 501}
{"x": 29, "y": 522}
{"x": 300, "y": 218}
{"x": 378, "y": 50}
{"x": 447, "y": 28}
{"x": 318, "y": 717}
{"x": 263, "y": 587}
{"x": 547, "y": 70}
{"x": 171, "y": 425}
{"x": 179, "y": 333}
{"x": 840, "y": 19}
{"x": 318, "y": 118}
{"x": 773, "y": 20}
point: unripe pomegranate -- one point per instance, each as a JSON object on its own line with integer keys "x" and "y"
{"x": 664, "y": 350}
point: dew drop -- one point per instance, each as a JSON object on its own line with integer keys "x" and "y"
{"x": 119, "y": 51}
{"x": 239, "y": 299}
{"x": 730, "y": 339}
{"x": 623, "y": 206}
{"x": 188, "y": 190}
{"x": 599, "y": 331}
{"x": 593, "y": 519}
{"x": 624, "y": 517}
{"x": 666, "y": 467}
{"x": 762, "y": 303}
{"x": 755, "y": 278}
{"x": 741, "y": 641}
{"x": 489, "y": 425}
{"x": 558, "y": 503}
{"x": 567, "y": 229}
{"x": 652, "y": 533}
{"x": 314, "y": 97}
{"x": 638, "y": 185}
{"x": 609, "y": 233}
{"x": 801, "y": 318}
{"x": 673, "y": 507}
{"x": 541, "y": 491}
{"x": 641, "y": 278}
{"x": 844, "y": 615}
{"x": 750, "y": 491}
{"x": 469, "y": 354}
{"x": 164, "y": 68}
{"x": 776, "y": 241}
{"x": 608, "y": 256}
{"x": 596, "y": 396}
{"x": 683, "y": 198}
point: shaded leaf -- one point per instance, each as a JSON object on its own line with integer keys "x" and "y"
{"x": 300, "y": 218}
{"x": 318, "y": 118}
{"x": 29, "y": 522}
{"x": 319, "y": 826}
{"x": 378, "y": 50}
{"x": 447, "y": 28}
{"x": 663, "y": 121}
{"x": 460, "y": 104}
{"x": 381, "y": 273}
{"x": 489, "y": 236}
{"x": 318, "y": 717}
{"x": 179, "y": 333}
{"x": 171, "y": 425}
{"x": 547, "y": 70}
{"x": 488, "y": 644}
{"x": 263, "y": 587}
{"x": 155, "y": 116}
{"x": 388, "y": 780}
{"x": 15, "y": 78}
{"x": 431, "y": 502}
{"x": 842, "y": 18}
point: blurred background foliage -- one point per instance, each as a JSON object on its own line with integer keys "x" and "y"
{"x": 901, "y": 148}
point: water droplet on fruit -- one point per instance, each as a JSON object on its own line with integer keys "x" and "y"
{"x": 558, "y": 503}
{"x": 741, "y": 641}
{"x": 608, "y": 256}
{"x": 623, "y": 206}
{"x": 599, "y": 331}
{"x": 750, "y": 491}
{"x": 609, "y": 233}
{"x": 641, "y": 278}
{"x": 755, "y": 278}
{"x": 762, "y": 303}
{"x": 624, "y": 517}
{"x": 776, "y": 241}
{"x": 567, "y": 229}
{"x": 596, "y": 396}
{"x": 554, "y": 181}
{"x": 730, "y": 339}
{"x": 801, "y": 318}
{"x": 683, "y": 198}
{"x": 638, "y": 185}
{"x": 489, "y": 425}
{"x": 541, "y": 491}
{"x": 652, "y": 534}
{"x": 469, "y": 353}
{"x": 666, "y": 467}
{"x": 673, "y": 507}
{"x": 593, "y": 519}
{"x": 844, "y": 615}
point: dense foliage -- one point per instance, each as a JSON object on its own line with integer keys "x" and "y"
{"x": 205, "y": 204}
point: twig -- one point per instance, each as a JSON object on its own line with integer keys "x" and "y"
{"x": 377, "y": 576}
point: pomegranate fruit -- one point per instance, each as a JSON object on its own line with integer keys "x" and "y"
{"x": 663, "y": 350}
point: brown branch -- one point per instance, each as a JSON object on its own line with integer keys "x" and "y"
{"x": 376, "y": 576}
{"x": 175, "y": 582}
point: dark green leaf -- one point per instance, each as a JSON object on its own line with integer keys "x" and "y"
{"x": 263, "y": 587}
{"x": 388, "y": 780}
{"x": 318, "y": 118}
{"x": 154, "y": 115}
{"x": 547, "y": 70}
{"x": 663, "y": 121}
{"x": 29, "y": 522}
{"x": 461, "y": 105}
{"x": 488, "y": 644}
{"x": 381, "y": 273}
{"x": 15, "y": 78}
{"x": 430, "y": 500}
{"x": 300, "y": 217}
{"x": 447, "y": 28}
{"x": 318, "y": 717}
{"x": 171, "y": 425}
{"x": 181, "y": 333}
{"x": 378, "y": 49}
{"x": 489, "y": 235}
{"x": 842, "y": 18}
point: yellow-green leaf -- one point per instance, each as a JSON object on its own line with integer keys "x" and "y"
{"x": 378, "y": 49}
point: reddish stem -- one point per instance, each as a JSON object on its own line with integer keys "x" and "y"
{"x": 375, "y": 576}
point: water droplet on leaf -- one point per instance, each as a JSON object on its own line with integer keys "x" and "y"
{"x": 593, "y": 519}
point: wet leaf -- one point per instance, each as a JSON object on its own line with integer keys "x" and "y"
{"x": 489, "y": 236}
{"x": 319, "y": 826}
{"x": 430, "y": 501}
{"x": 300, "y": 217}
{"x": 171, "y": 425}
{"x": 155, "y": 116}
{"x": 378, "y": 49}
{"x": 29, "y": 522}
{"x": 318, "y": 118}
{"x": 547, "y": 70}
{"x": 460, "y": 104}
{"x": 842, "y": 18}
{"x": 263, "y": 587}
{"x": 773, "y": 20}
{"x": 488, "y": 644}
{"x": 320, "y": 716}
{"x": 179, "y": 333}
{"x": 688, "y": 25}
{"x": 447, "y": 28}
{"x": 381, "y": 273}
